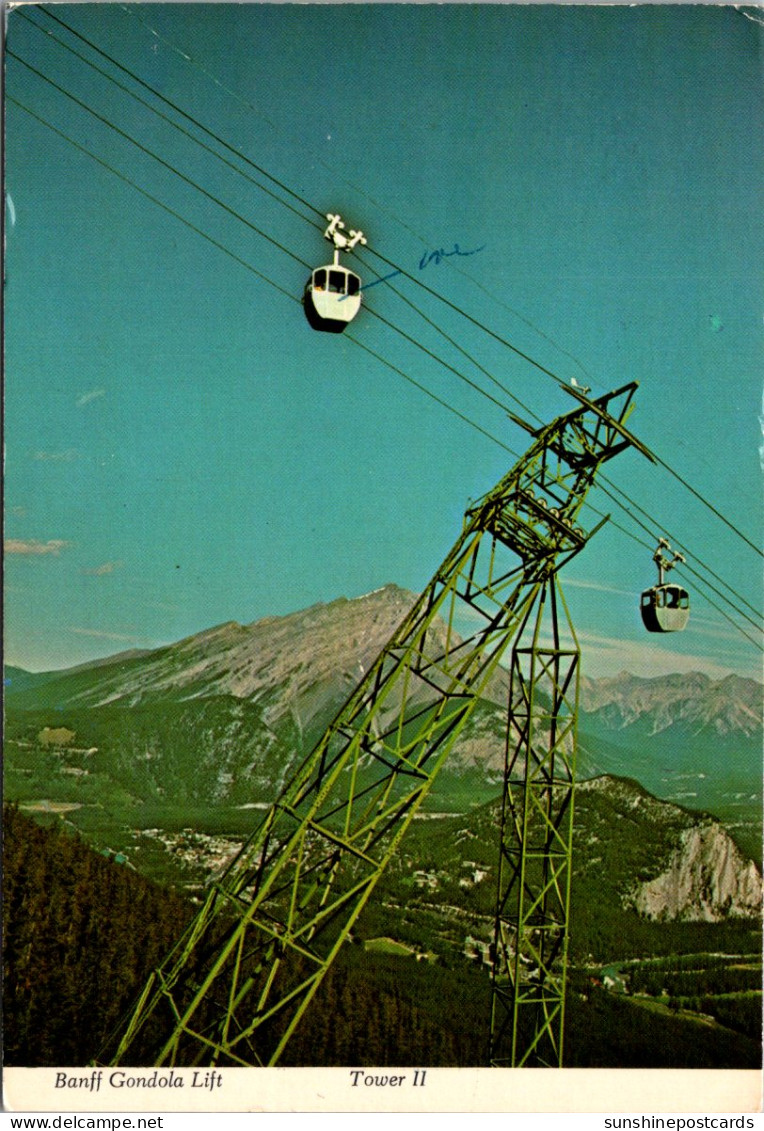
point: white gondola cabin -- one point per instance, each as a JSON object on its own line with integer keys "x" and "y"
{"x": 666, "y": 606}
{"x": 332, "y": 298}
{"x": 333, "y": 292}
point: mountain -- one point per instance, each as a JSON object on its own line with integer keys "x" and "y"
{"x": 683, "y": 865}
{"x": 265, "y": 692}
{"x": 687, "y": 738}
{"x": 692, "y": 703}
{"x": 312, "y": 656}
{"x": 166, "y": 760}
{"x": 220, "y": 720}
{"x": 225, "y": 715}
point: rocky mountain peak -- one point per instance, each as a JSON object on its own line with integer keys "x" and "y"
{"x": 692, "y": 701}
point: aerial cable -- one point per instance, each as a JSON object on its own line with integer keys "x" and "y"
{"x": 291, "y": 192}
{"x": 499, "y": 338}
{"x": 536, "y": 329}
{"x": 429, "y": 393}
{"x": 160, "y": 160}
{"x": 445, "y": 364}
{"x": 460, "y": 310}
{"x": 288, "y": 293}
{"x": 231, "y": 165}
{"x": 463, "y": 351}
{"x": 131, "y": 11}
{"x": 154, "y": 200}
{"x": 356, "y": 188}
{"x": 210, "y": 196}
{"x": 548, "y": 372}
{"x": 189, "y": 117}
{"x": 710, "y": 506}
{"x": 164, "y": 117}
{"x": 249, "y": 267}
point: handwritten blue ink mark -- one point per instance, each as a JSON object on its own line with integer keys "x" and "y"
{"x": 382, "y": 280}
{"x": 435, "y": 257}
{"x": 439, "y": 255}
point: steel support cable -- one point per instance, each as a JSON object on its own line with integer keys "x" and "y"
{"x": 251, "y": 180}
{"x": 165, "y": 164}
{"x": 356, "y": 188}
{"x": 603, "y": 478}
{"x": 714, "y": 510}
{"x": 466, "y": 354}
{"x": 549, "y": 373}
{"x": 216, "y": 243}
{"x": 503, "y": 341}
{"x": 249, "y": 267}
{"x": 306, "y": 204}
{"x": 429, "y": 393}
{"x": 154, "y": 200}
{"x": 244, "y": 263}
{"x": 210, "y": 196}
{"x": 472, "y": 384}
{"x": 295, "y": 195}
{"x": 184, "y": 114}
{"x": 147, "y": 105}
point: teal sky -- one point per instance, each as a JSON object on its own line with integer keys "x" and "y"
{"x": 182, "y": 449}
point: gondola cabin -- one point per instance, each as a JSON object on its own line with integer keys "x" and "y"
{"x": 333, "y": 293}
{"x": 332, "y": 298}
{"x": 665, "y": 608}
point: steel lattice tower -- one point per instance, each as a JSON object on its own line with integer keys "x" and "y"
{"x": 238, "y": 981}
{"x": 536, "y": 842}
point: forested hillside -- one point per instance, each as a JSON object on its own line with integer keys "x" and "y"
{"x": 80, "y": 935}
{"x": 82, "y": 932}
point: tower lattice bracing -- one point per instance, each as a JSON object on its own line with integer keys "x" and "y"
{"x": 536, "y": 840}
{"x": 238, "y": 981}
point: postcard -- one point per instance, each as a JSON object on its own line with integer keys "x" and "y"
{"x": 383, "y": 701}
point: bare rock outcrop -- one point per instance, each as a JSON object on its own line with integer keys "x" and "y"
{"x": 707, "y": 878}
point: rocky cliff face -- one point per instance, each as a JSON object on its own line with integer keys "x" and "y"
{"x": 706, "y": 878}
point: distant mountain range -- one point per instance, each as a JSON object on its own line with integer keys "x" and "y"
{"x": 687, "y": 738}
{"x": 194, "y": 735}
{"x": 290, "y": 674}
{"x": 693, "y": 704}
{"x": 165, "y": 760}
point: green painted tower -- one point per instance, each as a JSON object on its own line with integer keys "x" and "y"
{"x": 239, "y": 980}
